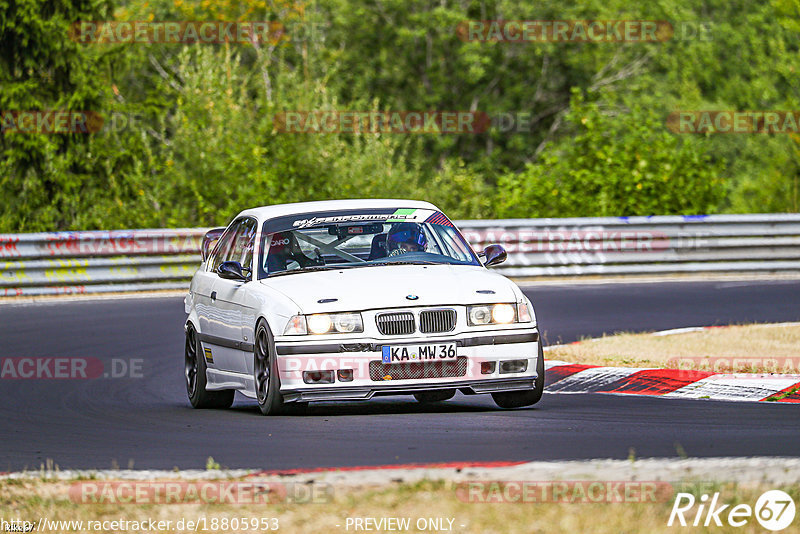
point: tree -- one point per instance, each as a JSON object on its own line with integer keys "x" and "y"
{"x": 614, "y": 162}
{"x": 45, "y": 179}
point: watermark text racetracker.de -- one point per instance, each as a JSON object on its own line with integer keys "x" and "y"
{"x": 733, "y": 365}
{"x": 405, "y": 122}
{"x": 582, "y": 31}
{"x": 199, "y": 492}
{"x": 398, "y": 364}
{"x": 734, "y": 122}
{"x": 193, "y": 32}
{"x": 61, "y": 122}
{"x": 599, "y": 239}
{"x": 50, "y": 122}
{"x": 564, "y": 491}
{"x": 69, "y": 368}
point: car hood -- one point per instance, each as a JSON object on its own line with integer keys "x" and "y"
{"x": 389, "y": 286}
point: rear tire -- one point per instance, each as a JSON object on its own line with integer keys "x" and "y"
{"x": 265, "y": 369}
{"x": 196, "y": 380}
{"x": 426, "y": 397}
{"x": 529, "y": 397}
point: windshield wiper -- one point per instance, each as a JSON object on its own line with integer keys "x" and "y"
{"x": 414, "y": 262}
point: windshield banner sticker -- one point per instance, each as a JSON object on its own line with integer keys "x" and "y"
{"x": 439, "y": 218}
{"x": 315, "y": 221}
{"x": 400, "y": 215}
{"x": 410, "y": 215}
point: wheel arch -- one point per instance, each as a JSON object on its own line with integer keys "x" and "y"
{"x": 192, "y": 320}
{"x": 273, "y": 323}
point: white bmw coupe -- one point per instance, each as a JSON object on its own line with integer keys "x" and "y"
{"x": 344, "y": 300}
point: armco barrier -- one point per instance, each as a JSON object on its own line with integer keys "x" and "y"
{"x": 642, "y": 245}
{"x": 131, "y": 260}
{"x": 92, "y": 262}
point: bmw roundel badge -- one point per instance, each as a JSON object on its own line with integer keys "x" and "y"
{"x": 412, "y": 297}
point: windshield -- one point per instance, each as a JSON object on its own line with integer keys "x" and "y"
{"x": 350, "y": 239}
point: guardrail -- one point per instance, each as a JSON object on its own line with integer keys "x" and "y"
{"x": 643, "y": 245}
{"x": 98, "y": 262}
{"x": 133, "y": 260}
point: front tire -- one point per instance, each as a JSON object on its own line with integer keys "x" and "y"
{"x": 265, "y": 370}
{"x": 529, "y": 397}
{"x": 196, "y": 380}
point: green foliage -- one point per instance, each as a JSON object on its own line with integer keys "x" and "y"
{"x": 621, "y": 164}
{"x": 204, "y": 144}
{"x": 46, "y": 179}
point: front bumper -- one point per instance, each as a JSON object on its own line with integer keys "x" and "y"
{"x": 295, "y": 357}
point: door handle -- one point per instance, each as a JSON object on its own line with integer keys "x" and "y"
{"x": 213, "y": 295}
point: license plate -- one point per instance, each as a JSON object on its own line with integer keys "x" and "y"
{"x": 416, "y": 353}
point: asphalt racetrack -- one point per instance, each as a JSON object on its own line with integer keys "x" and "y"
{"x": 146, "y": 421}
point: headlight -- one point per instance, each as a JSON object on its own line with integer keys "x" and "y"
{"x": 480, "y": 315}
{"x": 324, "y": 323}
{"x": 504, "y": 313}
{"x": 494, "y": 314}
{"x": 347, "y": 322}
{"x": 319, "y": 324}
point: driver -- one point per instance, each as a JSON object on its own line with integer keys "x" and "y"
{"x": 406, "y": 237}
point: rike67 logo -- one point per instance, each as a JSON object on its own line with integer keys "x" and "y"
{"x": 774, "y": 510}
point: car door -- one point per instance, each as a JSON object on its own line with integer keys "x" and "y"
{"x": 236, "y": 308}
{"x": 203, "y": 284}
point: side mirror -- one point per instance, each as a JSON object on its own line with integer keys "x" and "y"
{"x": 209, "y": 240}
{"x": 495, "y": 254}
{"x": 231, "y": 270}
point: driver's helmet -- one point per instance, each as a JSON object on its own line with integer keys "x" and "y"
{"x": 406, "y": 237}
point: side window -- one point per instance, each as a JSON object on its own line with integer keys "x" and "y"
{"x": 242, "y": 249}
{"x": 223, "y": 247}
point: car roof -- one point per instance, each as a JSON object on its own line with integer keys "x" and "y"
{"x": 278, "y": 210}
